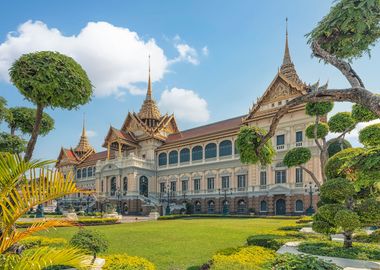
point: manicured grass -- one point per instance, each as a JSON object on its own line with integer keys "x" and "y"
{"x": 180, "y": 244}
{"x": 335, "y": 249}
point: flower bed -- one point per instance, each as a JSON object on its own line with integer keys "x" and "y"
{"x": 125, "y": 262}
{"x": 82, "y": 221}
{"x": 169, "y": 217}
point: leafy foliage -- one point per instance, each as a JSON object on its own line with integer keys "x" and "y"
{"x": 347, "y": 220}
{"x": 21, "y": 189}
{"x": 370, "y": 136}
{"x": 51, "y": 79}
{"x": 301, "y": 262}
{"x": 322, "y": 130}
{"x": 11, "y": 143}
{"x": 349, "y": 29}
{"x": 319, "y": 108}
{"x": 337, "y": 146}
{"x": 337, "y": 190}
{"x": 248, "y": 140}
{"x": 339, "y": 164}
{"x": 340, "y": 122}
{"x": 125, "y": 262}
{"x": 362, "y": 114}
{"x": 3, "y": 109}
{"x": 89, "y": 240}
{"x": 297, "y": 156}
{"x": 23, "y": 118}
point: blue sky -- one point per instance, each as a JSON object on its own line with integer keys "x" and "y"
{"x": 214, "y": 58}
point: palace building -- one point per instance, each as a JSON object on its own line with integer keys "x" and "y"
{"x": 149, "y": 161}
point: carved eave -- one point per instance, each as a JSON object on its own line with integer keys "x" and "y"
{"x": 64, "y": 159}
{"x": 118, "y": 136}
{"x": 293, "y": 90}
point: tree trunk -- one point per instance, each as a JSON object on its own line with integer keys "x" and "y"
{"x": 347, "y": 239}
{"x": 36, "y": 129}
{"x": 13, "y": 131}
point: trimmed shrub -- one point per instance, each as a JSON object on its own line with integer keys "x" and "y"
{"x": 336, "y": 147}
{"x": 297, "y": 156}
{"x": 125, "y": 262}
{"x": 362, "y": 114}
{"x": 322, "y": 130}
{"x": 370, "y": 136}
{"x": 337, "y": 165}
{"x": 340, "y": 122}
{"x": 91, "y": 241}
{"x": 319, "y": 108}
{"x": 84, "y": 222}
{"x": 253, "y": 258}
{"x": 39, "y": 241}
{"x": 270, "y": 241}
{"x": 301, "y": 262}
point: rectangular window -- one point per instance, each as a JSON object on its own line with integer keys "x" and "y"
{"x": 299, "y": 136}
{"x": 162, "y": 187}
{"x": 263, "y": 178}
{"x": 280, "y": 177}
{"x": 197, "y": 184}
{"x": 185, "y": 185}
{"x": 173, "y": 186}
{"x": 225, "y": 182}
{"x": 241, "y": 181}
{"x": 210, "y": 183}
{"x": 280, "y": 139}
{"x": 299, "y": 175}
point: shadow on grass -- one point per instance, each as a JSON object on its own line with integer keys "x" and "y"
{"x": 193, "y": 268}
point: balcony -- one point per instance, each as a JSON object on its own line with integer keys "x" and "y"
{"x": 124, "y": 162}
{"x": 281, "y": 147}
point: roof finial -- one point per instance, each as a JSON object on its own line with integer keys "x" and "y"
{"x": 84, "y": 125}
{"x": 149, "y": 92}
{"x": 287, "y": 59}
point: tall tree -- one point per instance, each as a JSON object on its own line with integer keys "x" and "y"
{"x": 49, "y": 79}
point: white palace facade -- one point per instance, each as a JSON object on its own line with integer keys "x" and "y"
{"x": 149, "y": 161}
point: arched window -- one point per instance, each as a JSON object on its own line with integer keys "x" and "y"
{"x": 94, "y": 170}
{"x": 236, "y": 148}
{"x": 173, "y": 157}
{"x": 198, "y": 207}
{"x": 211, "y": 207}
{"x": 184, "y": 155}
{"x": 89, "y": 171}
{"x": 125, "y": 185}
{"x": 299, "y": 206}
{"x": 210, "y": 150}
{"x": 225, "y": 148}
{"x": 241, "y": 207}
{"x": 79, "y": 173}
{"x": 263, "y": 206}
{"x": 113, "y": 186}
{"x": 162, "y": 159}
{"x": 197, "y": 153}
{"x": 84, "y": 173}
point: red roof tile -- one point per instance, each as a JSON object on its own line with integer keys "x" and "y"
{"x": 93, "y": 158}
{"x": 233, "y": 123}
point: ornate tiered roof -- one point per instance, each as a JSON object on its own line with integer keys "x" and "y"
{"x": 84, "y": 145}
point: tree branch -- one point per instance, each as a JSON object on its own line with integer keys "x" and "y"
{"x": 355, "y": 95}
{"x": 312, "y": 175}
{"x": 316, "y": 133}
{"x": 343, "y": 66}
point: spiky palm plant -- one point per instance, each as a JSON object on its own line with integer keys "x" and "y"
{"x": 23, "y": 185}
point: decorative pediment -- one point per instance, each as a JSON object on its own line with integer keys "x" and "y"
{"x": 279, "y": 189}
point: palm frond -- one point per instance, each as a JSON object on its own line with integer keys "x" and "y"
{"x": 36, "y": 259}
{"x": 9, "y": 239}
{"x": 48, "y": 185}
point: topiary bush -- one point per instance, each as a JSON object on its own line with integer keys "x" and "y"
{"x": 91, "y": 241}
{"x": 297, "y": 156}
{"x": 362, "y": 114}
{"x": 340, "y": 122}
{"x": 40, "y": 241}
{"x": 248, "y": 140}
{"x": 319, "y": 108}
{"x": 322, "y": 131}
{"x": 301, "y": 262}
{"x": 370, "y": 136}
{"x": 253, "y": 258}
{"x": 125, "y": 262}
{"x": 270, "y": 241}
{"x": 338, "y": 165}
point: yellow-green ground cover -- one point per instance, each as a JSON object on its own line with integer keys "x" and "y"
{"x": 180, "y": 244}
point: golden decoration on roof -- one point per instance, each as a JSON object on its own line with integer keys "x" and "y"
{"x": 84, "y": 145}
{"x": 149, "y": 109}
{"x": 287, "y": 68}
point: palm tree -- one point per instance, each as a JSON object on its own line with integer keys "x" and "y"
{"x": 20, "y": 190}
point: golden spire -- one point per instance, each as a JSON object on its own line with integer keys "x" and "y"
{"x": 149, "y": 109}
{"x": 287, "y": 68}
{"x": 83, "y": 145}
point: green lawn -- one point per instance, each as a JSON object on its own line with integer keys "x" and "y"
{"x": 179, "y": 244}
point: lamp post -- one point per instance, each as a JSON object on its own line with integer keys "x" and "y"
{"x": 311, "y": 189}
{"x": 225, "y": 202}
{"x": 167, "y": 211}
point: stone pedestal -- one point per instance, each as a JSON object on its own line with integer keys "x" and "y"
{"x": 71, "y": 216}
{"x": 154, "y": 215}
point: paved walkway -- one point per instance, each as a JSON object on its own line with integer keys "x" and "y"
{"x": 347, "y": 264}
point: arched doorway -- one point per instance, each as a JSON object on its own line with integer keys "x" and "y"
{"x": 143, "y": 187}
{"x": 211, "y": 207}
{"x": 198, "y": 207}
{"x": 225, "y": 207}
{"x": 242, "y": 207}
{"x": 280, "y": 207}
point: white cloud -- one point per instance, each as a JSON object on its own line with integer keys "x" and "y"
{"x": 185, "y": 104}
{"x": 353, "y": 136}
{"x": 90, "y": 133}
{"x": 186, "y": 53}
{"x": 205, "y": 51}
{"x": 115, "y": 58}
